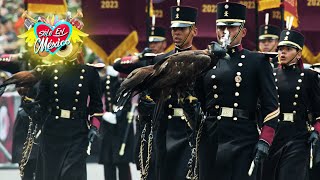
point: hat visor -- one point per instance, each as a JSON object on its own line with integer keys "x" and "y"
{"x": 179, "y": 24}
{"x": 156, "y": 39}
{"x": 268, "y": 36}
{"x": 229, "y": 24}
{"x": 287, "y": 44}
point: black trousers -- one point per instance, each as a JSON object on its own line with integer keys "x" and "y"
{"x": 110, "y": 171}
{"x": 29, "y": 171}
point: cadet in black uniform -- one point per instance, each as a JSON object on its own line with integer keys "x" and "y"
{"x": 144, "y": 159}
{"x": 268, "y": 40}
{"x": 228, "y": 94}
{"x": 299, "y": 93}
{"x": 172, "y": 136}
{"x": 113, "y": 129}
{"x": 157, "y": 45}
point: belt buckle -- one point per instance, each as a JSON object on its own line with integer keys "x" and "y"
{"x": 65, "y": 113}
{"x": 288, "y": 117}
{"x": 178, "y": 112}
{"x": 226, "y": 112}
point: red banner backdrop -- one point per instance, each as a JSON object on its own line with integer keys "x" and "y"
{"x": 109, "y": 22}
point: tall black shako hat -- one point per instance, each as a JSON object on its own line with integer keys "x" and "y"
{"x": 291, "y": 38}
{"x": 269, "y": 32}
{"x": 183, "y": 16}
{"x": 157, "y": 34}
{"x": 230, "y": 14}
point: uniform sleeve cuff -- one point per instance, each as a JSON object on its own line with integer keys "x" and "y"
{"x": 317, "y": 126}
{"x": 95, "y": 122}
{"x": 267, "y": 134}
{"x": 126, "y": 60}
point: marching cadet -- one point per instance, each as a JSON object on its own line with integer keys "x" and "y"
{"x": 173, "y": 149}
{"x": 299, "y": 94}
{"x": 112, "y": 130}
{"x": 228, "y": 93}
{"x": 157, "y": 45}
{"x": 269, "y": 39}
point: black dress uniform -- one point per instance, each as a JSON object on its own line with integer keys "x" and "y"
{"x": 299, "y": 94}
{"x": 20, "y": 132}
{"x": 63, "y": 94}
{"x": 228, "y": 94}
{"x": 270, "y": 32}
{"x": 113, "y": 134}
{"x": 145, "y": 147}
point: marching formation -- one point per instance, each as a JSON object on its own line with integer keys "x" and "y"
{"x": 222, "y": 113}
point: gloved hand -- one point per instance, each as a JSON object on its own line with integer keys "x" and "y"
{"x": 93, "y": 133}
{"x": 141, "y": 55}
{"x": 110, "y": 117}
{"x": 262, "y": 151}
{"x": 216, "y": 49}
{"x": 314, "y": 138}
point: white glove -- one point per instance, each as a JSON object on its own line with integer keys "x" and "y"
{"x": 110, "y": 117}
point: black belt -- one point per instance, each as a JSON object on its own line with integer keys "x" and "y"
{"x": 234, "y": 112}
{"x": 69, "y": 114}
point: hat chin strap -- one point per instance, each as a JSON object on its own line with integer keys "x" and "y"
{"x": 292, "y": 58}
{"x": 185, "y": 39}
{"x": 235, "y": 37}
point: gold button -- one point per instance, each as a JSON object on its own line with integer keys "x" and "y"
{"x": 213, "y": 76}
{"x": 235, "y": 104}
{"x": 56, "y": 78}
{"x": 183, "y": 117}
{"x": 55, "y": 85}
{"x": 294, "y": 112}
{"x": 214, "y": 86}
{"x": 236, "y": 94}
{"x": 107, "y": 87}
{"x": 57, "y": 117}
{"x": 57, "y": 100}
{"x": 238, "y": 84}
{"x": 218, "y": 117}
{"x": 38, "y": 69}
{"x": 77, "y": 92}
{"x": 235, "y": 118}
{"x": 55, "y": 92}
{"x": 80, "y": 85}
{"x": 57, "y": 107}
{"x": 274, "y": 74}
{"x": 108, "y": 77}
{"x": 217, "y": 106}
{"x": 299, "y": 80}
{"x": 243, "y": 56}
{"x": 74, "y": 108}
{"x": 277, "y": 88}
{"x": 109, "y": 98}
{"x": 108, "y": 82}
{"x": 170, "y": 106}
{"x": 83, "y": 71}
{"x": 108, "y": 93}
{"x": 215, "y": 96}
{"x": 214, "y": 67}
{"x": 298, "y": 88}
{"x": 76, "y": 100}
{"x": 81, "y": 77}
{"x": 276, "y": 80}
{"x": 169, "y": 117}
{"x": 239, "y": 73}
{"x": 56, "y": 71}
{"x": 240, "y": 64}
{"x": 296, "y": 95}
{"x": 294, "y": 103}
{"x": 302, "y": 74}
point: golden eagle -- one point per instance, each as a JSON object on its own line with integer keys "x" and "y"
{"x": 23, "y": 79}
{"x": 173, "y": 74}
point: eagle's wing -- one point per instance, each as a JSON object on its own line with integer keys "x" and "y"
{"x": 136, "y": 82}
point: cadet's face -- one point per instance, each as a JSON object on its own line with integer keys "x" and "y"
{"x": 288, "y": 55}
{"x": 233, "y": 31}
{"x": 158, "y": 47}
{"x": 268, "y": 45}
{"x": 183, "y": 36}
